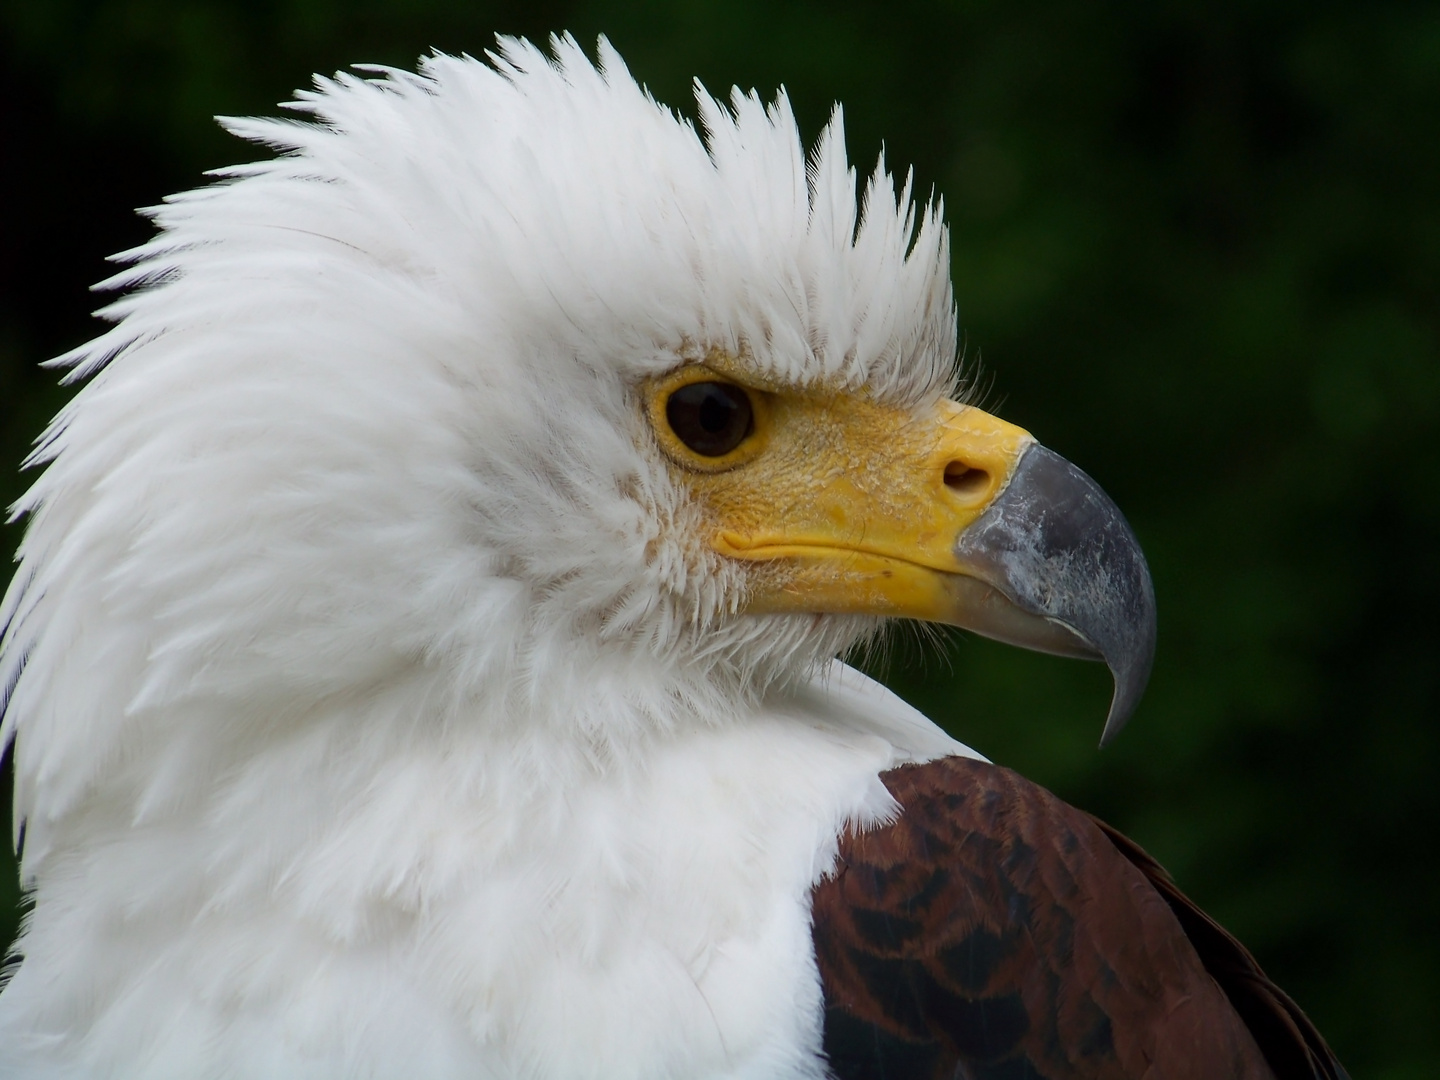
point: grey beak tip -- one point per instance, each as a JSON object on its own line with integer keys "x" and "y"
{"x": 1130, "y": 660}
{"x": 1130, "y": 681}
{"x": 1114, "y": 723}
{"x": 1058, "y": 547}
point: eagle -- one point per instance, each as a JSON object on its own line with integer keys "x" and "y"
{"x": 423, "y": 656}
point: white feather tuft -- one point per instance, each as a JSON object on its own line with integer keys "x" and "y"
{"x": 376, "y": 710}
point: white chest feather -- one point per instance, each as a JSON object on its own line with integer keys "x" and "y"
{"x": 645, "y": 922}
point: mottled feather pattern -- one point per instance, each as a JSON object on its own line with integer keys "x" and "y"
{"x": 993, "y": 932}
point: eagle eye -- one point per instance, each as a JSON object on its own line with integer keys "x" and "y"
{"x": 711, "y": 418}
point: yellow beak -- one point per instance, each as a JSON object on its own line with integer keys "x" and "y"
{"x": 840, "y": 504}
{"x": 875, "y": 533}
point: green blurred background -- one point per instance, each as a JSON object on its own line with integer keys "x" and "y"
{"x": 1197, "y": 249}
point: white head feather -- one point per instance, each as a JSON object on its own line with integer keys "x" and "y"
{"x": 361, "y": 469}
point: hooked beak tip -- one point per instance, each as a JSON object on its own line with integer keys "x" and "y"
{"x": 1060, "y": 550}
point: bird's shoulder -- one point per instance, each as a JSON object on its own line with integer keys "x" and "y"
{"x": 991, "y": 930}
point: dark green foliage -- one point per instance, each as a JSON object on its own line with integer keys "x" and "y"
{"x": 1197, "y": 245}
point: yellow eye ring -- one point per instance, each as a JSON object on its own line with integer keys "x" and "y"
{"x": 706, "y": 421}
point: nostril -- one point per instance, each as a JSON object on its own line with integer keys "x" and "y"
{"x": 963, "y": 480}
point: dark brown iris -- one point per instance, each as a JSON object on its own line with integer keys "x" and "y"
{"x": 711, "y": 418}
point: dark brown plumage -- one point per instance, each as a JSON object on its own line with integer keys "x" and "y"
{"x": 993, "y": 932}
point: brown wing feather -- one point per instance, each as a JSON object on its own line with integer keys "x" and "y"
{"x": 1291, "y": 1043}
{"x": 992, "y": 932}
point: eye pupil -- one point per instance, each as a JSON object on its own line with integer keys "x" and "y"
{"x": 711, "y": 418}
{"x": 715, "y": 414}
